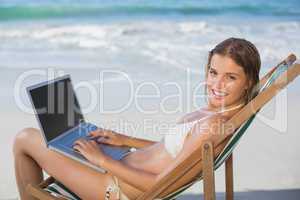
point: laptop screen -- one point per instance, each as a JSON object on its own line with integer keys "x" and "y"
{"x": 56, "y": 106}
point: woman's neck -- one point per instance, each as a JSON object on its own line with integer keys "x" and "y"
{"x": 226, "y": 111}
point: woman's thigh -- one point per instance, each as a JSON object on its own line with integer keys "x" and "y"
{"x": 82, "y": 180}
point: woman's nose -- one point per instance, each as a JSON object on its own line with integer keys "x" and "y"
{"x": 219, "y": 83}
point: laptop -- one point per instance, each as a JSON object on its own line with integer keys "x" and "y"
{"x": 61, "y": 120}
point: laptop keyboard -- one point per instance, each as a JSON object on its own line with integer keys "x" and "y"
{"x": 81, "y": 132}
{"x": 66, "y": 142}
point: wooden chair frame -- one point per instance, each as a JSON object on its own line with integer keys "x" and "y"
{"x": 208, "y": 173}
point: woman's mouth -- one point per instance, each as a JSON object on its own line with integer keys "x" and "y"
{"x": 218, "y": 94}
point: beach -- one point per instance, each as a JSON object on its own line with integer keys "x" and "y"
{"x": 136, "y": 69}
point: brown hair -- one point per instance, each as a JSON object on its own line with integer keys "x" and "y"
{"x": 243, "y": 53}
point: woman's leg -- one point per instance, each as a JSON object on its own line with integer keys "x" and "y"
{"x": 31, "y": 156}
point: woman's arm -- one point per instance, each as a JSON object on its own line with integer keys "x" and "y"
{"x": 137, "y": 142}
{"x": 119, "y": 139}
{"x": 140, "y": 179}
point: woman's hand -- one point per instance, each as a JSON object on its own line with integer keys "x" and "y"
{"x": 90, "y": 150}
{"x": 108, "y": 137}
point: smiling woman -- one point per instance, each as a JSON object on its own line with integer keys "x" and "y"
{"x": 232, "y": 74}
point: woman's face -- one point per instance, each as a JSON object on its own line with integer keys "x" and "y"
{"x": 226, "y": 82}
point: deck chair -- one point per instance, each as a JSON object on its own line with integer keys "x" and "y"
{"x": 173, "y": 181}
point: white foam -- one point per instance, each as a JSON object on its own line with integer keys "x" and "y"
{"x": 193, "y": 26}
{"x": 165, "y": 44}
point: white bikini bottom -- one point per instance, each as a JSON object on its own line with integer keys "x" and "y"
{"x": 115, "y": 188}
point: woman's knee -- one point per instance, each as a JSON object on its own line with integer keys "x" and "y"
{"x": 25, "y": 137}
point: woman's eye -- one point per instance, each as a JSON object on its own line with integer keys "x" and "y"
{"x": 211, "y": 72}
{"x": 232, "y": 77}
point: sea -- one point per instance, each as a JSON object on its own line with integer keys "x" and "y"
{"x": 156, "y": 41}
{"x": 143, "y": 38}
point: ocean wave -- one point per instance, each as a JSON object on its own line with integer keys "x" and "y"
{"x": 141, "y": 36}
{"x": 21, "y": 12}
{"x": 172, "y": 46}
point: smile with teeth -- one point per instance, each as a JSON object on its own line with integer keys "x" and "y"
{"x": 219, "y": 94}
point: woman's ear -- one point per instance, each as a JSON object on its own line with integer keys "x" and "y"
{"x": 248, "y": 84}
